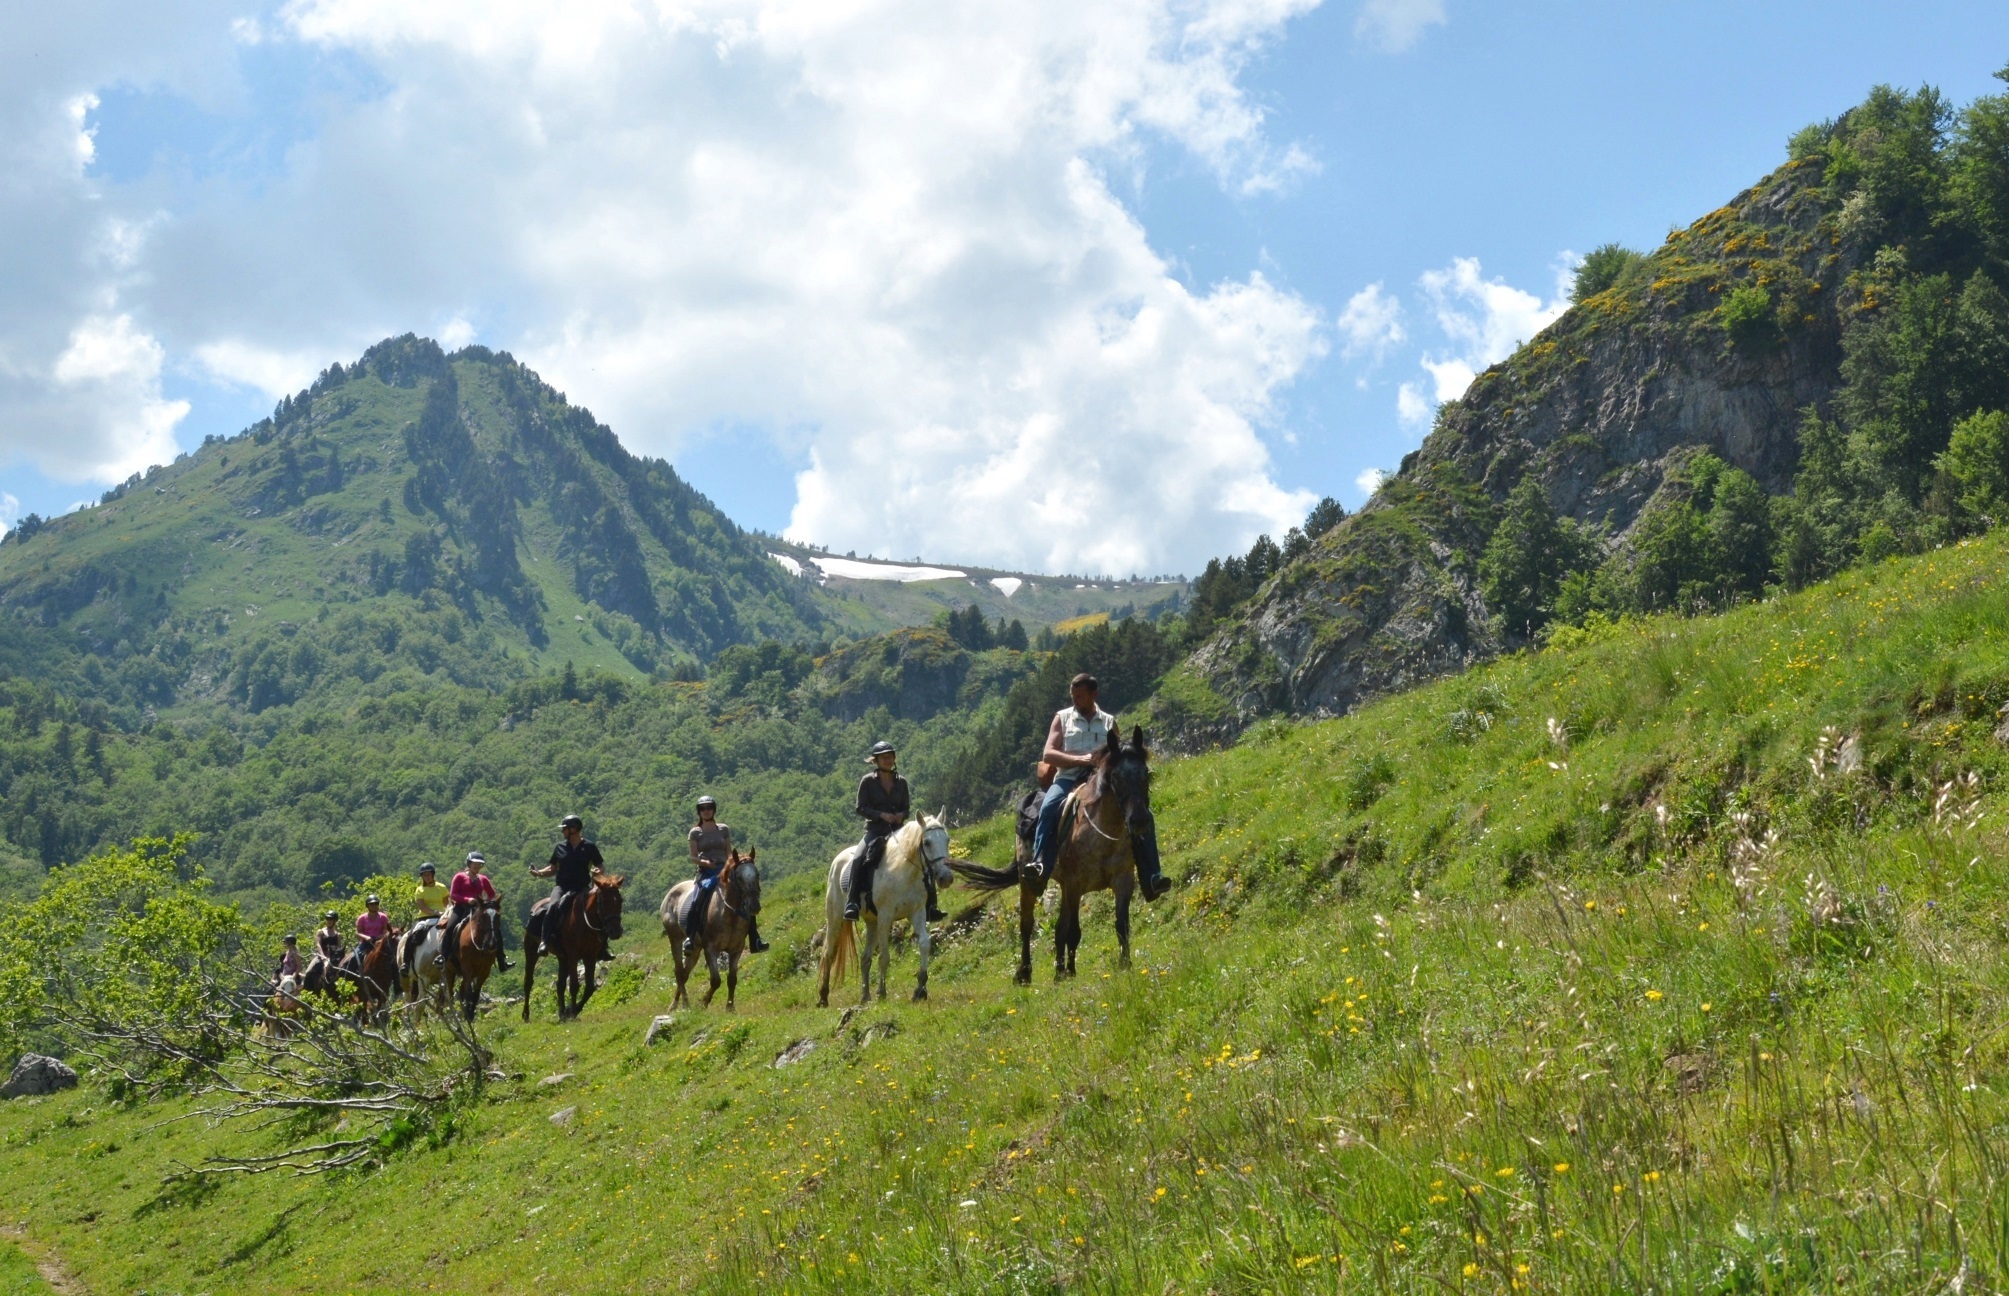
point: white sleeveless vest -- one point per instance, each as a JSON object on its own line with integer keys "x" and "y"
{"x": 1080, "y": 735}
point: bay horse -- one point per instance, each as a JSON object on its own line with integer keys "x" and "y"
{"x": 477, "y": 946}
{"x": 1107, "y": 831}
{"x": 591, "y": 921}
{"x": 734, "y": 904}
{"x": 374, "y": 970}
{"x": 898, "y": 891}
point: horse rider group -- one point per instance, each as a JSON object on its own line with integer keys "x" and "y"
{"x": 884, "y": 802}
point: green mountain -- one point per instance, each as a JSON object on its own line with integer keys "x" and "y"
{"x": 450, "y": 517}
{"x": 1667, "y": 958}
{"x": 1812, "y": 376}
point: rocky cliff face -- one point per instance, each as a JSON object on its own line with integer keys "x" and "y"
{"x": 1599, "y": 406}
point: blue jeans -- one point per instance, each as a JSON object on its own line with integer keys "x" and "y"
{"x": 1046, "y": 837}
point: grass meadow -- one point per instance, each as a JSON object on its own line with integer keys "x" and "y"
{"x": 1666, "y": 960}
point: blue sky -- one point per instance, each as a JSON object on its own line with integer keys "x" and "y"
{"x": 854, "y": 279}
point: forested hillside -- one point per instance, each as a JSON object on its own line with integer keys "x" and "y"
{"x": 1812, "y": 376}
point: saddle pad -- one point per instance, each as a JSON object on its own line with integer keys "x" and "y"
{"x": 1028, "y": 814}
{"x": 690, "y": 906}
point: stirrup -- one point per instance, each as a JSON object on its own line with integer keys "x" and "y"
{"x": 851, "y": 911}
{"x": 936, "y": 915}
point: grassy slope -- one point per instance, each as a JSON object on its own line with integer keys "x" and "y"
{"x": 1444, "y": 1000}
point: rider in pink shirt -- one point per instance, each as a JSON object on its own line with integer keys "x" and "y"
{"x": 373, "y": 922}
{"x": 469, "y": 888}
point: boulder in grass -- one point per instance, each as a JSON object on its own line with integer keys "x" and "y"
{"x": 35, "y": 1074}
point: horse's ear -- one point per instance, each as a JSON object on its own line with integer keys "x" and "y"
{"x": 1115, "y": 737}
{"x": 752, "y": 852}
{"x": 1137, "y": 738}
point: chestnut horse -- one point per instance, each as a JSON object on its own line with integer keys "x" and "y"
{"x": 591, "y": 921}
{"x": 477, "y": 945}
{"x": 734, "y": 904}
{"x": 1106, "y": 830}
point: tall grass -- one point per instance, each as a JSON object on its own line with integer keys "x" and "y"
{"x": 1669, "y": 960}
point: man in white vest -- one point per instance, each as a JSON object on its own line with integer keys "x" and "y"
{"x": 1078, "y": 732}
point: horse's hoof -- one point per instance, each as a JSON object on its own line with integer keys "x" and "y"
{"x": 920, "y": 993}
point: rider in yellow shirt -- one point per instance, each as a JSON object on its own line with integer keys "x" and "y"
{"x": 430, "y": 900}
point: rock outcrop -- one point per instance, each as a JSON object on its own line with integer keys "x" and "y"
{"x": 35, "y": 1075}
{"x": 1599, "y": 407}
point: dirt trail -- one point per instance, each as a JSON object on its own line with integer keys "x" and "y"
{"x": 46, "y": 1262}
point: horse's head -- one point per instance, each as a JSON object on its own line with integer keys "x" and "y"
{"x": 603, "y": 904}
{"x": 1126, "y": 776}
{"x": 935, "y": 846}
{"x": 741, "y": 883}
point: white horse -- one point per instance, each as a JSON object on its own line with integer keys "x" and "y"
{"x": 898, "y": 891}
{"x": 428, "y": 979}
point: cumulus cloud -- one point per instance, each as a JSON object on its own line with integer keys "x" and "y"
{"x": 880, "y": 230}
{"x": 1370, "y": 324}
{"x": 1369, "y": 481}
{"x": 1483, "y": 320}
{"x": 1396, "y": 25}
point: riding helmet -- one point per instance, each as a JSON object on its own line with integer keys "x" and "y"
{"x": 705, "y": 801}
{"x": 289, "y": 939}
{"x": 371, "y": 899}
{"x": 331, "y": 915}
{"x": 572, "y": 821}
{"x": 476, "y": 857}
{"x": 880, "y": 748}
{"x": 427, "y": 867}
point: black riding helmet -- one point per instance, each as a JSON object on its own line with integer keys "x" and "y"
{"x": 427, "y": 868}
{"x": 880, "y": 748}
{"x": 572, "y": 821}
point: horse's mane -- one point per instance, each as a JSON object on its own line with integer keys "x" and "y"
{"x": 904, "y": 846}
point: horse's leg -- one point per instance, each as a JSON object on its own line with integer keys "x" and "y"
{"x": 1028, "y": 923}
{"x": 823, "y": 991}
{"x": 683, "y": 971}
{"x": 592, "y": 977}
{"x": 922, "y": 942}
{"x": 885, "y": 954}
{"x": 731, "y": 981}
{"x": 711, "y": 966}
{"x": 1123, "y": 925}
{"x": 865, "y": 956}
{"x": 1060, "y": 918}
{"x": 531, "y": 949}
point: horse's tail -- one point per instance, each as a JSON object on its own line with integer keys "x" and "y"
{"x": 984, "y": 880}
{"x": 843, "y": 948}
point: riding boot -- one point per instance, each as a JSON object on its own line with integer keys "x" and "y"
{"x": 935, "y": 913}
{"x": 754, "y": 944}
{"x": 861, "y": 884}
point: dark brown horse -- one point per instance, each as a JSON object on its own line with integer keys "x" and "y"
{"x": 591, "y": 921}
{"x": 477, "y": 945}
{"x": 373, "y": 970}
{"x": 734, "y": 904}
{"x": 1107, "y": 832}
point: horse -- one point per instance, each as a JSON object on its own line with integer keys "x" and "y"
{"x": 1106, "y": 832}
{"x": 374, "y": 969}
{"x": 898, "y": 891}
{"x": 591, "y": 921}
{"x": 477, "y": 945}
{"x": 734, "y": 904}
{"x": 283, "y": 1007}
{"x": 428, "y": 979}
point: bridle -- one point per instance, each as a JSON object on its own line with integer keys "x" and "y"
{"x": 928, "y": 832}
{"x": 728, "y": 882}
{"x": 1103, "y": 775}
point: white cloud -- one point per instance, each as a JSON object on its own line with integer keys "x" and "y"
{"x": 1412, "y": 406}
{"x": 457, "y": 333}
{"x": 238, "y": 363}
{"x": 1370, "y": 324}
{"x": 10, "y": 512}
{"x": 880, "y": 228}
{"x": 1483, "y": 320}
{"x": 100, "y": 412}
{"x": 1396, "y": 25}
{"x": 1369, "y": 481}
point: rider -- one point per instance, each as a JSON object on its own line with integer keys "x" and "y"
{"x": 711, "y": 847}
{"x": 470, "y": 888}
{"x": 1077, "y": 733}
{"x": 430, "y": 899}
{"x": 574, "y": 862}
{"x": 289, "y": 961}
{"x": 328, "y": 944}
{"x": 371, "y": 924}
{"x": 884, "y": 800}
